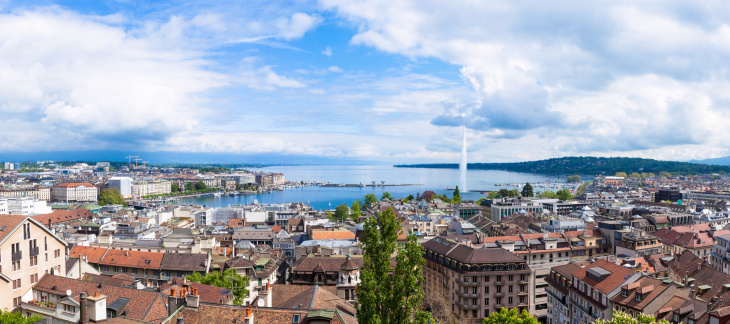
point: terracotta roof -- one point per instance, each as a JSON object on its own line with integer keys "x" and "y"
{"x": 209, "y": 313}
{"x": 143, "y": 305}
{"x": 315, "y": 298}
{"x": 207, "y": 293}
{"x": 686, "y": 264}
{"x": 133, "y": 259}
{"x": 8, "y": 223}
{"x": 93, "y": 254}
{"x": 332, "y": 235}
{"x": 281, "y": 293}
{"x": 106, "y": 280}
{"x": 617, "y": 277}
{"x": 73, "y": 185}
{"x": 235, "y": 223}
{"x": 60, "y": 216}
{"x": 650, "y": 288}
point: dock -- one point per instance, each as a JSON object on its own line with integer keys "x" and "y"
{"x": 362, "y": 185}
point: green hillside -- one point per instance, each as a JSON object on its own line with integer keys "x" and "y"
{"x": 588, "y": 165}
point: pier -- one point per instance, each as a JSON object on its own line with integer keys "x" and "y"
{"x": 373, "y": 184}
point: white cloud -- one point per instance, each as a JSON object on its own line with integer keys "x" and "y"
{"x": 297, "y": 25}
{"x": 335, "y": 69}
{"x": 327, "y": 51}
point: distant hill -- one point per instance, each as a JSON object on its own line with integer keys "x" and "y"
{"x": 725, "y": 160}
{"x": 588, "y": 165}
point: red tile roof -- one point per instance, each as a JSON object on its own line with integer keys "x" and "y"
{"x": 9, "y": 222}
{"x": 93, "y": 254}
{"x": 73, "y": 185}
{"x": 60, "y": 216}
{"x": 332, "y": 235}
{"x": 143, "y": 305}
{"x": 133, "y": 259}
{"x": 617, "y": 277}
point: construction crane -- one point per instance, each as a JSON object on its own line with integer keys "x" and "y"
{"x": 130, "y": 157}
{"x": 135, "y": 162}
{"x": 144, "y": 164}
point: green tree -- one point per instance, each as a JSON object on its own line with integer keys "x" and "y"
{"x": 386, "y": 195}
{"x": 200, "y": 185}
{"x": 370, "y": 199}
{"x": 409, "y": 198}
{"x": 189, "y": 186}
{"x": 383, "y": 298}
{"x": 548, "y": 194}
{"x": 623, "y": 318}
{"x": 110, "y": 196}
{"x": 228, "y": 279}
{"x": 510, "y": 316}
{"x": 665, "y": 174}
{"x": 634, "y": 175}
{"x": 246, "y": 186}
{"x": 341, "y": 213}
{"x": 621, "y": 174}
{"x": 493, "y": 195}
{"x": 174, "y": 187}
{"x": 457, "y": 196}
{"x": 564, "y": 194}
{"x": 356, "y": 213}
{"x": 527, "y": 190}
{"x": 8, "y": 317}
{"x": 574, "y": 178}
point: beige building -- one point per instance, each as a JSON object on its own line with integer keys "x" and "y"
{"x": 28, "y": 250}
{"x": 151, "y": 188}
{"x": 74, "y": 192}
{"x": 37, "y": 192}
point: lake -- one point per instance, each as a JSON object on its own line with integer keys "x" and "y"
{"x": 437, "y": 180}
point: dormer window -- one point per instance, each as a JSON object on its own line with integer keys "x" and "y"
{"x": 638, "y": 296}
{"x": 625, "y": 293}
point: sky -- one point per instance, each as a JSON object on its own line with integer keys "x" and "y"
{"x": 371, "y": 80}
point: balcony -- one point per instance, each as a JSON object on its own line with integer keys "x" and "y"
{"x": 34, "y": 251}
{"x": 522, "y": 293}
{"x": 523, "y": 282}
{"x": 469, "y": 284}
{"x": 17, "y": 256}
{"x": 469, "y": 295}
{"x": 39, "y": 308}
{"x": 469, "y": 306}
{"x": 499, "y": 283}
{"x": 499, "y": 294}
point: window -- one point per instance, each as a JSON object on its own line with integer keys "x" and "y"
{"x": 509, "y": 300}
{"x": 16, "y": 265}
{"x": 486, "y": 278}
{"x": 34, "y": 261}
{"x": 486, "y": 301}
{"x": 16, "y": 302}
{"x": 69, "y": 309}
{"x": 522, "y": 277}
{"x": 295, "y": 319}
{"x": 486, "y": 289}
{"x": 625, "y": 293}
{"x": 33, "y": 278}
{"x": 509, "y": 288}
{"x": 499, "y": 278}
{"x": 16, "y": 284}
{"x": 638, "y": 296}
{"x": 45, "y": 244}
{"x": 499, "y": 289}
{"x": 510, "y": 277}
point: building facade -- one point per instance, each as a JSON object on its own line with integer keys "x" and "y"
{"x": 74, "y": 192}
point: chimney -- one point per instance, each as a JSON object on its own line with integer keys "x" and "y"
{"x": 96, "y": 306}
{"x": 249, "y": 315}
{"x": 192, "y": 299}
{"x": 82, "y": 301}
{"x": 265, "y": 294}
{"x": 174, "y": 302}
{"x": 180, "y": 320}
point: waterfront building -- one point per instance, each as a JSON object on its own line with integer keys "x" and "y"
{"x": 74, "y": 192}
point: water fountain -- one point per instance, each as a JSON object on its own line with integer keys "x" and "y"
{"x": 462, "y": 164}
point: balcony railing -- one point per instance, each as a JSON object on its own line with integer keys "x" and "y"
{"x": 469, "y": 283}
{"x": 499, "y": 294}
{"x": 469, "y": 306}
{"x": 34, "y": 251}
{"x": 499, "y": 283}
{"x": 17, "y": 256}
{"x": 463, "y": 294}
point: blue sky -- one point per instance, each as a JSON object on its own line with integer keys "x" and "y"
{"x": 388, "y": 81}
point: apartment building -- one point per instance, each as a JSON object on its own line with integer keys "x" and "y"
{"x": 637, "y": 244}
{"x": 720, "y": 256}
{"x": 38, "y": 192}
{"x": 500, "y": 208}
{"x": 594, "y": 286}
{"x": 649, "y": 296}
{"x": 74, "y": 192}
{"x": 476, "y": 281}
{"x": 28, "y": 250}
{"x": 151, "y": 188}
{"x": 559, "y": 282}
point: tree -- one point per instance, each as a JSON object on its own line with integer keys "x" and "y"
{"x": 200, "y": 185}
{"x": 548, "y": 194}
{"x": 383, "y": 298}
{"x": 427, "y": 195}
{"x": 493, "y": 195}
{"x": 574, "y": 178}
{"x": 564, "y": 194}
{"x": 409, "y": 198}
{"x": 189, "y": 186}
{"x": 511, "y": 316}
{"x": 634, "y": 175}
{"x": 623, "y": 318}
{"x": 527, "y": 190}
{"x": 621, "y": 174}
{"x": 228, "y": 279}
{"x": 246, "y": 186}
{"x": 386, "y": 195}
{"x": 8, "y": 317}
{"x": 457, "y": 196}
{"x": 110, "y": 196}
{"x": 665, "y": 174}
{"x": 370, "y": 199}
{"x": 174, "y": 187}
{"x": 356, "y": 213}
{"x": 341, "y": 213}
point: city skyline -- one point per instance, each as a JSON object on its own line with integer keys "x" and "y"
{"x": 367, "y": 81}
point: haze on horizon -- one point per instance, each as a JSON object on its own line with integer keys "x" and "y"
{"x": 367, "y": 80}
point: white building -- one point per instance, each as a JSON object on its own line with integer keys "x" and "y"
{"x": 123, "y": 184}
{"x": 151, "y": 188}
{"x": 74, "y": 192}
{"x": 24, "y": 206}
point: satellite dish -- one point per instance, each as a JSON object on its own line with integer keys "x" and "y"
{"x": 261, "y": 303}
{"x": 69, "y": 292}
